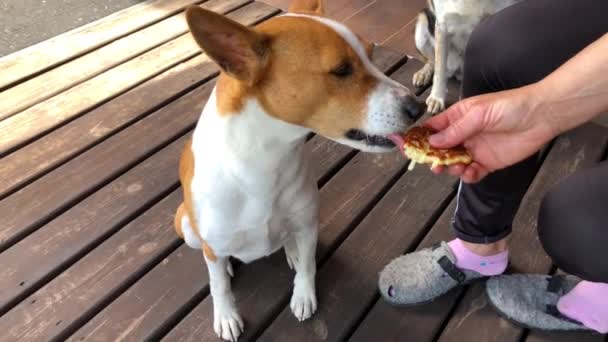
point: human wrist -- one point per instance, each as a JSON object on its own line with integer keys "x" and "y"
{"x": 545, "y": 111}
{"x": 563, "y": 107}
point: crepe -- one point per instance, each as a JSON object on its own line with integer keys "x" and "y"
{"x": 417, "y": 148}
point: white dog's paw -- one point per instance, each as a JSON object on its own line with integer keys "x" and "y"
{"x": 435, "y": 104}
{"x": 227, "y": 322}
{"x": 303, "y": 301}
{"x": 423, "y": 77}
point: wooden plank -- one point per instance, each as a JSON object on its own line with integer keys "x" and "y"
{"x": 264, "y": 288}
{"x": 335, "y": 9}
{"x": 141, "y": 311}
{"x": 82, "y": 175}
{"x": 37, "y": 58}
{"x": 59, "y": 243}
{"x": 394, "y": 323}
{"x": 136, "y": 322}
{"x": 55, "y": 309}
{"x": 34, "y": 160}
{"x": 382, "y": 18}
{"x": 40, "y": 201}
{"x": 282, "y": 4}
{"x": 403, "y": 40}
{"x": 42, "y": 87}
{"x": 474, "y": 320}
{"x": 343, "y": 9}
{"x": 327, "y": 158}
{"x": 347, "y": 284}
{"x": 538, "y": 336}
{"x": 49, "y": 151}
{"x": 376, "y": 20}
{"x": 43, "y": 117}
{"x": 21, "y": 128}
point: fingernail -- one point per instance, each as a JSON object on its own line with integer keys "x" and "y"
{"x": 436, "y": 139}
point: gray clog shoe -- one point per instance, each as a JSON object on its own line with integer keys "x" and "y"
{"x": 420, "y": 277}
{"x": 530, "y": 301}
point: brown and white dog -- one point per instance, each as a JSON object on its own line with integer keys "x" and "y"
{"x": 248, "y": 186}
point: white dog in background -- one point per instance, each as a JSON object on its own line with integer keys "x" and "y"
{"x": 442, "y": 32}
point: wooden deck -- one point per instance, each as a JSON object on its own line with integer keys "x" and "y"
{"x": 91, "y": 126}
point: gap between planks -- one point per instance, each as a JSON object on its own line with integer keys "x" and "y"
{"x": 29, "y": 62}
{"x": 31, "y": 162}
{"x": 24, "y": 127}
{"x": 50, "y": 83}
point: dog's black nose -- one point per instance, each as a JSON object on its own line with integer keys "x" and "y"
{"x": 411, "y": 108}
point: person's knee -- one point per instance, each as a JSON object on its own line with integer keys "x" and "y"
{"x": 551, "y": 219}
{"x": 494, "y": 56}
{"x": 554, "y": 227}
{"x": 568, "y": 229}
{"x": 479, "y": 72}
{"x": 477, "y": 52}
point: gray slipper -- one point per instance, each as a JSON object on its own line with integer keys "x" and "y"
{"x": 530, "y": 301}
{"x": 421, "y": 277}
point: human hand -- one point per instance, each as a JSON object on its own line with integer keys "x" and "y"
{"x": 498, "y": 129}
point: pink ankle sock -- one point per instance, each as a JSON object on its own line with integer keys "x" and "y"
{"x": 587, "y": 303}
{"x": 487, "y": 265}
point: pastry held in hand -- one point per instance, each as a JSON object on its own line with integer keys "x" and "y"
{"x": 414, "y": 144}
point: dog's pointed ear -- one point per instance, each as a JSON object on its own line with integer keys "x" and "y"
{"x": 238, "y": 50}
{"x": 308, "y": 6}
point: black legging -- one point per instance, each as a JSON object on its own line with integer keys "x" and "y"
{"x": 515, "y": 47}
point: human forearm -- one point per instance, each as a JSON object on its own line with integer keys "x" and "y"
{"x": 577, "y": 91}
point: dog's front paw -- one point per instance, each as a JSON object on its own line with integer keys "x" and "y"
{"x": 304, "y": 300}
{"x": 435, "y": 104}
{"x": 423, "y": 77}
{"x": 227, "y": 322}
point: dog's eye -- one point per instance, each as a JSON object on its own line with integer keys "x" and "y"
{"x": 343, "y": 70}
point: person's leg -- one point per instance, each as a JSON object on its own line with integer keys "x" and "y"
{"x": 573, "y": 224}
{"x": 573, "y": 229}
{"x": 515, "y": 47}
{"x": 518, "y": 46}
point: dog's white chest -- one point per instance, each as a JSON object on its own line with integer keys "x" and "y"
{"x": 250, "y": 243}
{"x": 246, "y": 192}
{"x": 248, "y": 216}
